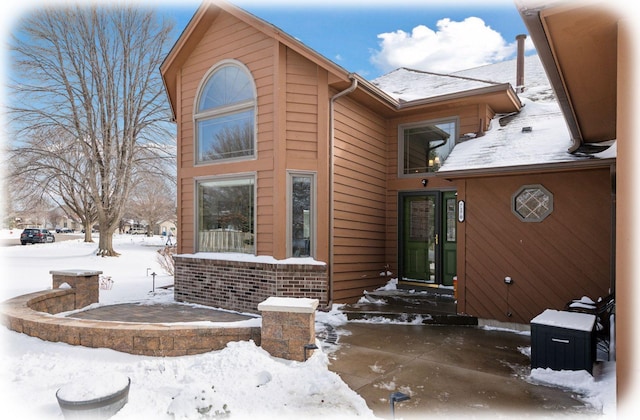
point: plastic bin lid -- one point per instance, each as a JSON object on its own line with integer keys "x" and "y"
{"x": 565, "y": 319}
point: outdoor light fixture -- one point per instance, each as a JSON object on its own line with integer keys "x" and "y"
{"x": 309, "y": 347}
{"x": 424, "y": 182}
{"x": 394, "y": 398}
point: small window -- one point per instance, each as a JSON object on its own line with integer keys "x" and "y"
{"x": 225, "y": 215}
{"x": 424, "y": 147}
{"x": 532, "y": 203}
{"x": 225, "y": 115}
{"x": 301, "y": 217}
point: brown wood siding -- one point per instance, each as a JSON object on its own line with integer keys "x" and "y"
{"x": 228, "y": 38}
{"x": 359, "y": 197}
{"x": 566, "y": 256}
{"x": 469, "y": 121}
{"x": 301, "y": 107}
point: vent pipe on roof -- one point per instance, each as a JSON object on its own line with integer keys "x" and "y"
{"x": 520, "y": 63}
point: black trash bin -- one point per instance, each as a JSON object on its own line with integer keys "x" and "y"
{"x": 562, "y": 340}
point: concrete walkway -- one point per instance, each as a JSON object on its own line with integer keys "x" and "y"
{"x": 448, "y": 371}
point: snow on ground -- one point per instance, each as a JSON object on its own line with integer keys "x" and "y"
{"x": 241, "y": 380}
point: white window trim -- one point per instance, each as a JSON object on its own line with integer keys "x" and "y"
{"x": 402, "y": 127}
{"x": 314, "y": 211}
{"x": 196, "y": 205}
{"x": 241, "y": 106}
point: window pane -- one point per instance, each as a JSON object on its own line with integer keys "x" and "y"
{"x": 228, "y": 85}
{"x": 301, "y": 216}
{"x": 532, "y": 203}
{"x": 451, "y": 219}
{"x": 225, "y": 216}
{"x": 227, "y": 136}
{"x": 427, "y": 147}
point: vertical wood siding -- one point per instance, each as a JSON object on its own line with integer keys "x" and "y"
{"x": 566, "y": 256}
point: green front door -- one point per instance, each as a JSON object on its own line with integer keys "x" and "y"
{"x": 428, "y": 238}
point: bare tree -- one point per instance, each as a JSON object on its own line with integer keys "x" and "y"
{"x": 49, "y": 163}
{"x": 92, "y": 72}
{"x": 153, "y": 200}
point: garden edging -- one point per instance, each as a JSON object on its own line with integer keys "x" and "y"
{"x": 34, "y": 314}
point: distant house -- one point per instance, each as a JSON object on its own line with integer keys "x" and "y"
{"x": 299, "y": 178}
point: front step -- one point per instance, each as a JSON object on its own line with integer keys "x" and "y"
{"x": 425, "y": 307}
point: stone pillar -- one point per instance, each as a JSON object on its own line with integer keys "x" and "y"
{"x": 288, "y": 325}
{"x": 85, "y": 283}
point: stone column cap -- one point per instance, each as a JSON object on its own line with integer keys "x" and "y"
{"x": 75, "y": 273}
{"x": 284, "y": 304}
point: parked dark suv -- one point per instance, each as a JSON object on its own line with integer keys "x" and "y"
{"x": 36, "y": 236}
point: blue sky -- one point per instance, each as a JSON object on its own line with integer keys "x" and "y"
{"x": 349, "y": 32}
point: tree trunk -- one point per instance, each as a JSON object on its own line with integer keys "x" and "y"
{"x": 96, "y": 69}
{"x": 105, "y": 244}
{"x": 87, "y": 234}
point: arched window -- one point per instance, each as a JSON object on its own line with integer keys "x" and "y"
{"x": 225, "y": 115}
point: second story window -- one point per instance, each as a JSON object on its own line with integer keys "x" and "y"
{"x": 424, "y": 147}
{"x": 225, "y": 115}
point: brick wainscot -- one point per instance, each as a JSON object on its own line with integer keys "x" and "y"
{"x": 239, "y": 282}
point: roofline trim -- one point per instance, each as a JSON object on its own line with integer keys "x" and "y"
{"x": 531, "y": 16}
{"x": 531, "y": 168}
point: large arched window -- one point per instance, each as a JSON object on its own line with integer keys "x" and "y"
{"x": 225, "y": 115}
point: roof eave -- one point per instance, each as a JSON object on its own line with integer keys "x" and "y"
{"x": 514, "y": 101}
{"x": 533, "y": 22}
{"x": 206, "y": 13}
{"x": 190, "y": 35}
{"x": 527, "y": 169}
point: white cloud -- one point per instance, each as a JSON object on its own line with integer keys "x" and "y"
{"x": 454, "y": 46}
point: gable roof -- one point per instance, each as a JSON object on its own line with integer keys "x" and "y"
{"x": 500, "y": 96}
{"x": 202, "y": 19}
{"x": 533, "y": 138}
{"x": 405, "y": 84}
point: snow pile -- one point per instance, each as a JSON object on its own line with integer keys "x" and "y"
{"x": 241, "y": 381}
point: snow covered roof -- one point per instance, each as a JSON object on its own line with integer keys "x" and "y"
{"x": 406, "y": 84}
{"x": 537, "y": 135}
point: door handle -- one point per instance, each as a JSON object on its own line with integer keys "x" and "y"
{"x": 437, "y": 239}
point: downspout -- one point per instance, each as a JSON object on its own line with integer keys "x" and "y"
{"x": 354, "y": 85}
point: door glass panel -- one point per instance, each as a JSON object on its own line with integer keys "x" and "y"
{"x": 451, "y": 219}
{"x": 419, "y": 238}
{"x": 448, "y": 249}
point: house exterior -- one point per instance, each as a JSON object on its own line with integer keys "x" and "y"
{"x": 588, "y": 51}
{"x": 299, "y": 178}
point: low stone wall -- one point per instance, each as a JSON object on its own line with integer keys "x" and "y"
{"x": 242, "y": 285}
{"x": 287, "y": 323}
{"x": 288, "y": 327}
{"x": 31, "y": 314}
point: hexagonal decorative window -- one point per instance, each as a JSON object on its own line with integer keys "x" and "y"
{"x": 532, "y": 203}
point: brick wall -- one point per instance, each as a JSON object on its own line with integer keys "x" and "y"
{"x": 242, "y": 285}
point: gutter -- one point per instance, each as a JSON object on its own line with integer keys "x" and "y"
{"x": 533, "y": 22}
{"x": 354, "y": 85}
{"x": 571, "y": 165}
{"x": 459, "y": 95}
